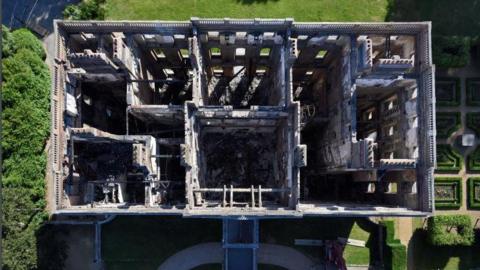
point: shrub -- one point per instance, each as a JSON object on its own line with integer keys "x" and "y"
{"x": 473, "y": 201}
{"x": 441, "y": 100}
{"x": 447, "y": 123}
{"x": 449, "y": 182}
{"x": 473, "y": 161}
{"x": 395, "y": 252}
{"x": 448, "y": 159}
{"x": 440, "y": 230}
{"x": 86, "y": 10}
{"x": 451, "y": 51}
{"x": 473, "y": 122}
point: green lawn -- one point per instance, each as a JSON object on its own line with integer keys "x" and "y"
{"x": 300, "y": 10}
{"x": 284, "y": 232}
{"x": 144, "y": 242}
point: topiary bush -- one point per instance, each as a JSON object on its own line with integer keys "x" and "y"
{"x": 448, "y": 159}
{"x": 451, "y": 51}
{"x": 450, "y": 230}
{"x": 473, "y": 186}
{"x": 447, "y": 123}
{"x": 395, "y": 252}
{"x": 448, "y": 192}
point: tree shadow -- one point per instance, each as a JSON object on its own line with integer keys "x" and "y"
{"x": 448, "y": 17}
{"x": 426, "y": 256}
{"x": 372, "y": 242}
{"x": 51, "y": 247}
{"x": 251, "y": 2}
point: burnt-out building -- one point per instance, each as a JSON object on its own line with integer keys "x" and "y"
{"x": 215, "y": 118}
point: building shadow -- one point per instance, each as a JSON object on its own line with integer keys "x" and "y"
{"x": 251, "y": 2}
{"x": 51, "y": 247}
{"x": 448, "y": 17}
{"x": 285, "y": 231}
{"x": 426, "y": 256}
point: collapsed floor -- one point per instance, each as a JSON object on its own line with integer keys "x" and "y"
{"x": 225, "y": 117}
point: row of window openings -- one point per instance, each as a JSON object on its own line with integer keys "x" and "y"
{"x": 393, "y": 155}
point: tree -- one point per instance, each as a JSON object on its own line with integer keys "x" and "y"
{"x": 26, "y": 93}
{"x": 24, "y": 61}
{"x": 85, "y": 10}
{"x": 24, "y": 39}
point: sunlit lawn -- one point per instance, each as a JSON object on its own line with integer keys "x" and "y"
{"x": 300, "y": 10}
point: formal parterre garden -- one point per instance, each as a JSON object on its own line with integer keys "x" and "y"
{"x": 473, "y": 189}
{"x": 473, "y": 164}
{"x": 449, "y": 159}
{"x": 473, "y": 91}
{"x": 447, "y": 91}
{"x": 447, "y": 123}
{"x": 473, "y": 122}
{"x": 448, "y": 192}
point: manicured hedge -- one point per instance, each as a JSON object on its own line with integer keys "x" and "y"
{"x": 396, "y": 252}
{"x": 456, "y": 95}
{"x": 447, "y": 123}
{"x": 448, "y": 159}
{"x": 451, "y": 51}
{"x": 472, "y": 99}
{"x": 472, "y": 202}
{"x": 449, "y": 204}
{"x": 439, "y": 227}
{"x": 473, "y": 161}
{"x": 473, "y": 122}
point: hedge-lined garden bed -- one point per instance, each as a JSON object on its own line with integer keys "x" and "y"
{"x": 447, "y": 123}
{"x": 448, "y": 159}
{"x": 448, "y": 193}
{"x": 473, "y": 161}
{"x": 450, "y": 230}
{"x": 473, "y": 91}
{"x": 395, "y": 252}
{"x": 473, "y": 122}
{"x": 448, "y": 91}
{"x": 473, "y": 186}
